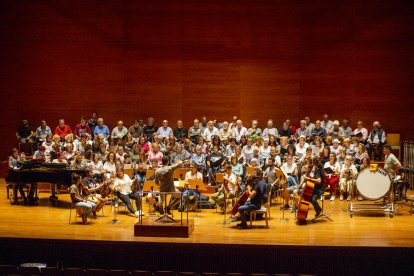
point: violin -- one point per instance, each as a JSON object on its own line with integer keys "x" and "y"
{"x": 305, "y": 202}
{"x": 105, "y": 188}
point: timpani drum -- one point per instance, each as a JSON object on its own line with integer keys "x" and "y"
{"x": 373, "y": 184}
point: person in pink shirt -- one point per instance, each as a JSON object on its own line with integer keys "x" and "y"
{"x": 155, "y": 154}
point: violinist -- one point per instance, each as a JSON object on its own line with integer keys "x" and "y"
{"x": 316, "y": 177}
{"x": 254, "y": 201}
{"x": 87, "y": 207}
{"x": 92, "y": 187}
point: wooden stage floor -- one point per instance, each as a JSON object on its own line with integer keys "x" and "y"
{"x": 363, "y": 229}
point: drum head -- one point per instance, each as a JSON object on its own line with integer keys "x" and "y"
{"x": 373, "y": 185}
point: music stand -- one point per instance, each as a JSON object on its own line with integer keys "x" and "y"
{"x": 197, "y": 185}
{"x": 148, "y": 187}
{"x": 282, "y": 180}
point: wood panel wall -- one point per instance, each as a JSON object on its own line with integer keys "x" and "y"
{"x": 185, "y": 59}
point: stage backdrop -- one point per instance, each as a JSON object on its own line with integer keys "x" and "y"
{"x": 186, "y": 59}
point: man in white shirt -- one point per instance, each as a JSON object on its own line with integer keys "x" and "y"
{"x": 271, "y": 129}
{"x": 165, "y": 131}
{"x": 210, "y": 131}
{"x": 119, "y": 132}
{"x": 239, "y": 131}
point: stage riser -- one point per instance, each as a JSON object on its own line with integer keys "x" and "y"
{"x": 150, "y": 228}
{"x": 208, "y": 258}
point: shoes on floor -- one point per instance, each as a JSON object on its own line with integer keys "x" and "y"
{"x": 341, "y": 198}
{"x": 242, "y": 226}
{"x": 332, "y": 198}
{"x": 349, "y": 198}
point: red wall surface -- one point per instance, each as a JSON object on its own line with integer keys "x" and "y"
{"x": 186, "y": 59}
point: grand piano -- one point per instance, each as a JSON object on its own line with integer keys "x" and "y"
{"x": 33, "y": 172}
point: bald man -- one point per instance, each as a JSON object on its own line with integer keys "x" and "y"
{"x": 119, "y": 132}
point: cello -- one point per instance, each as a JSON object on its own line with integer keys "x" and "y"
{"x": 304, "y": 202}
{"x": 251, "y": 181}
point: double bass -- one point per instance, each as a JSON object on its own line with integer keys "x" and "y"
{"x": 304, "y": 202}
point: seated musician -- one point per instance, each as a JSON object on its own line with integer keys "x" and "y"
{"x": 189, "y": 195}
{"x": 347, "y": 178}
{"x": 99, "y": 199}
{"x": 123, "y": 187}
{"x": 297, "y": 191}
{"x": 87, "y": 207}
{"x": 16, "y": 161}
{"x": 316, "y": 177}
{"x": 229, "y": 187}
{"x": 254, "y": 201}
{"x": 391, "y": 164}
{"x": 270, "y": 175}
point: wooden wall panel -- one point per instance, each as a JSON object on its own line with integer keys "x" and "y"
{"x": 185, "y": 59}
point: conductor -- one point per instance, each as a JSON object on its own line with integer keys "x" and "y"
{"x": 164, "y": 179}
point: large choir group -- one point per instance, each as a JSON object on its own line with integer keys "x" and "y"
{"x": 208, "y": 147}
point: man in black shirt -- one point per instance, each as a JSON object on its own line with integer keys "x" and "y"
{"x": 254, "y": 201}
{"x": 316, "y": 178}
{"x": 180, "y": 131}
{"x": 150, "y": 129}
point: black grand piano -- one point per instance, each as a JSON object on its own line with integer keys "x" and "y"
{"x": 33, "y": 172}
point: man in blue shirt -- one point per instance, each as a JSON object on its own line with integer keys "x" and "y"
{"x": 101, "y": 128}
